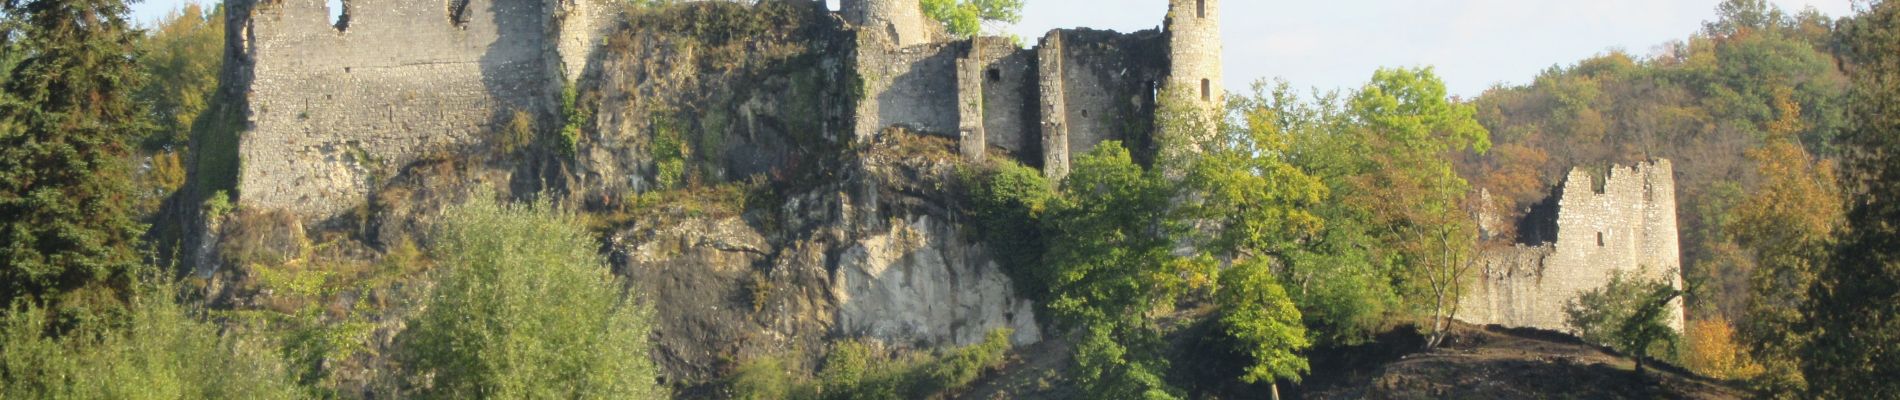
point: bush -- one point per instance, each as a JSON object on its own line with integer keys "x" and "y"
{"x": 854, "y": 370}
{"x": 526, "y": 310}
{"x": 1627, "y": 314}
{"x": 158, "y": 352}
{"x": 1007, "y": 200}
{"x": 1709, "y": 348}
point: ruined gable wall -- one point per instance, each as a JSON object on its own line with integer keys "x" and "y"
{"x": 1108, "y": 82}
{"x": 332, "y": 110}
{"x": 914, "y": 86}
{"x": 1634, "y": 215}
{"x": 1009, "y": 92}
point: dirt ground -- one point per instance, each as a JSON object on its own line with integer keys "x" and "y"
{"x": 1474, "y": 363}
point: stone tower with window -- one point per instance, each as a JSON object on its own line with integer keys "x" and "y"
{"x": 1194, "y": 56}
{"x": 901, "y": 20}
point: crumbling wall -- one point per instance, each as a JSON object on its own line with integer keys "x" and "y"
{"x": 1627, "y": 223}
{"x": 914, "y": 87}
{"x": 1053, "y": 109}
{"x": 583, "y": 24}
{"x": 1009, "y": 92}
{"x": 901, "y": 22}
{"x": 333, "y": 109}
{"x": 1109, "y": 81}
{"x": 972, "y": 141}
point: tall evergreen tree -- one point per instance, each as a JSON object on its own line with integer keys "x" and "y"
{"x": 1855, "y": 306}
{"x": 67, "y": 233}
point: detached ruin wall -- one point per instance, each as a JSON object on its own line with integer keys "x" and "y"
{"x": 1628, "y": 223}
{"x": 334, "y": 108}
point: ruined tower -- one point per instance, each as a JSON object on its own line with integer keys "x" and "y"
{"x": 1620, "y": 220}
{"x": 1194, "y": 51}
{"x": 902, "y": 20}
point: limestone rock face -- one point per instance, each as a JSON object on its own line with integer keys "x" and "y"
{"x": 871, "y": 253}
{"x": 919, "y": 281}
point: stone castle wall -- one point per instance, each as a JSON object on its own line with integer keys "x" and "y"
{"x": 1009, "y": 92}
{"x": 1625, "y": 223}
{"x": 1075, "y": 89}
{"x": 341, "y": 107}
{"x": 901, "y": 21}
{"x": 334, "y": 108}
{"x": 912, "y": 86}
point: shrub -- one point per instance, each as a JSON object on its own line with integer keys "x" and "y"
{"x": 854, "y": 370}
{"x": 1007, "y": 200}
{"x": 526, "y": 309}
{"x": 519, "y": 133}
{"x": 1709, "y": 348}
{"x": 158, "y": 352}
{"x": 1627, "y": 314}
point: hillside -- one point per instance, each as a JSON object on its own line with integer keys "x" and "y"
{"x": 1476, "y": 362}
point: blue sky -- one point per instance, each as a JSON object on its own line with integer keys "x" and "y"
{"x": 1330, "y": 44}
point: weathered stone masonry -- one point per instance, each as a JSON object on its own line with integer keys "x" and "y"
{"x": 1627, "y": 223}
{"x": 1075, "y": 89}
{"x": 333, "y": 108}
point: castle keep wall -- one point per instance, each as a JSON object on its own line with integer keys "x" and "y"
{"x": 914, "y": 87}
{"x": 1627, "y": 225}
{"x": 1109, "y": 81}
{"x": 1009, "y": 90}
{"x": 334, "y": 108}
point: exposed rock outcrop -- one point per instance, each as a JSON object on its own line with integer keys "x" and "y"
{"x": 874, "y": 254}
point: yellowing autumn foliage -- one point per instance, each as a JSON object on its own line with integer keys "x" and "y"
{"x": 1710, "y": 350}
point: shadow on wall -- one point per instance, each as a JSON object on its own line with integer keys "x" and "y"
{"x": 515, "y": 71}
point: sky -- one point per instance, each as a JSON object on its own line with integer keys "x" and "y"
{"x": 1337, "y": 44}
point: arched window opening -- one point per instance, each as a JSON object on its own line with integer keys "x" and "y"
{"x": 1200, "y": 8}
{"x": 339, "y": 14}
{"x": 1599, "y": 239}
{"x": 1207, "y": 90}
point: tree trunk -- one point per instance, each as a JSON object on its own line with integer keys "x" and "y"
{"x": 1276, "y": 390}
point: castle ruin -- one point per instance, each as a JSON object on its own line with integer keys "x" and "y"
{"x": 1624, "y": 220}
{"x": 1076, "y": 88}
{"x": 332, "y": 107}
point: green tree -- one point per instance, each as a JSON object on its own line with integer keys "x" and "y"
{"x": 1854, "y": 309}
{"x": 965, "y": 18}
{"x": 67, "y": 231}
{"x": 1257, "y": 312}
{"x": 1320, "y": 250}
{"x": 1789, "y": 223}
{"x": 527, "y": 310}
{"x": 1007, "y": 200}
{"x": 1387, "y": 166}
{"x": 182, "y": 56}
{"x": 1110, "y": 250}
{"x": 1629, "y": 313}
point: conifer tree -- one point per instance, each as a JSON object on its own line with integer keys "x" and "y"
{"x": 67, "y": 233}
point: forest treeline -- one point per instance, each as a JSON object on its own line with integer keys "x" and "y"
{"x": 1301, "y": 222}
